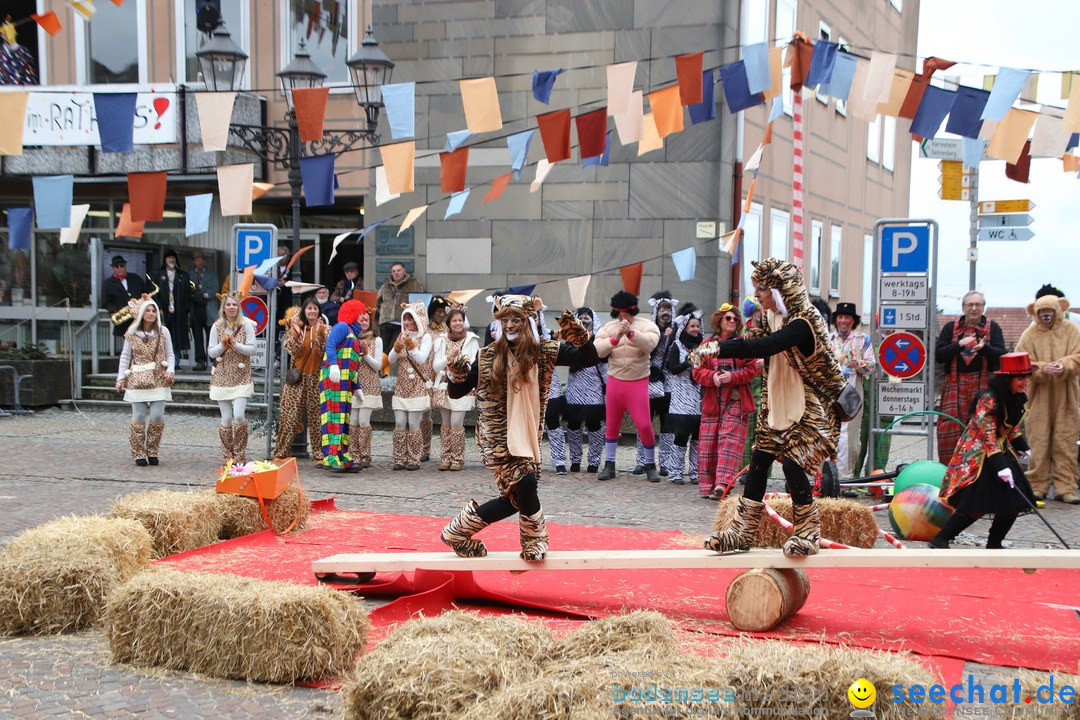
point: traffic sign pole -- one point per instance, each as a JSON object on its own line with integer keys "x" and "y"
{"x": 973, "y": 230}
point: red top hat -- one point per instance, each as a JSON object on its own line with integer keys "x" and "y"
{"x": 1017, "y": 363}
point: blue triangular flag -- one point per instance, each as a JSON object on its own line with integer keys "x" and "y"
{"x": 18, "y": 222}
{"x": 758, "y": 74}
{"x": 456, "y": 139}
{"x": 821, "y": 63}
{"x": 317, "y": 173}
{"x": 457, "y": 203}
{"x": 777, "y": 108}
{"x": 364, "y": 233}
{"x": 599, "y": 159}
{"x": 197, "y": 213}
{"x": 1007, "y": 87}
{"x": 737, "y": 93}
{"x": 266, "y": 282}
{"x": 706, "y": 109}
{"x": 685, "y": 263}
{"x": 52, "y": 201}
{"x": 421, "y": 297}
{"x": 935, "y": 105}
{"x": 1074, "y": 140}
{"x": 400, "y": 102}
{"x": 543, "y": 82}
{"x": 964, "y": 117}
{"x": 843, "y": 72}
{"x": 521, "y": 289}
{"x": 972, "y": 149}
{"x": 116, "y": 121}
{"x": 519, "y": 150}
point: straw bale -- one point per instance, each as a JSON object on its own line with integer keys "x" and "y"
{"x": 234, "y": 627}
{"x": 178, "y": 521}
{"x": 54, "y": 578}
{"x": 842, "y": 520}
{"x": 438, "y": 667}
{"x": 639, "y": 631}
{"x": 1030, "y": 682}
{"x": 241, "y": 515}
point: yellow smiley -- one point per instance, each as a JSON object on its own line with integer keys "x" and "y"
{"x": 862, "y": 693}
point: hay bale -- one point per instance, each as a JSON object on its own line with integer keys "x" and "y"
{"x": 233, "y": 627}
{"x": 842, "y": 520}
{"x": 1030, "y": 682}
{"x": 438, "y": 667}
{"x": 241, "y": 515}
{"x": 55, "y": 577}
{"x": 639, "y": 631}
{"x": 177, "y": 521}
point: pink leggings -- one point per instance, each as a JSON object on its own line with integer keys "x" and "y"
{"x": 629, "y": 396}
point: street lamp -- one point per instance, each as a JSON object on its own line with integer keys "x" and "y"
{"x": 370, "y": 69}
{"x": 221, "y": 60}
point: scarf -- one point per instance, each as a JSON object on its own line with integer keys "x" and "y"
{"x": 451, "y": 335}
{"x": 961, "y": 329}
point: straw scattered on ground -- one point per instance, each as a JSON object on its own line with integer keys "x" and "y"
{"x": 842, "y": 520}
{"x": 55, "y": 577}
{"x": 233, "y": 627}
{"x": 241, "y": 515}
{"x": 177, "y": 521}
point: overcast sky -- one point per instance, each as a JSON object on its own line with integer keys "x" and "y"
{"x": 1038, "y": 35}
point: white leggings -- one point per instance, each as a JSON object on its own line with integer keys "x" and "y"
{"x": 232, "y": 411}
{"x": 453, "y": 419}
{"x": 360, "y": 417}
{"x": 403, "y": 418}
{"x": 155, "y": 410}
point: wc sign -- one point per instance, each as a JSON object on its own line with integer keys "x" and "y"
{"x": 255, "y": 243}
{"x": 905, "y": 249}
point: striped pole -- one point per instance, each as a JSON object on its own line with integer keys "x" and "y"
{"x": 797, "y": 181}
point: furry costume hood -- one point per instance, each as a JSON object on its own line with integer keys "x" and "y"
{"x": 418, "y": 312}
{"x": 1059, "y": 305}
{"x": 787, "y": 282}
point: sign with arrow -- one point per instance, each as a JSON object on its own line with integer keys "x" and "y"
{"x": 945, "y": 149}
{"x": 1005, "y": 220}
{"x": 902, "y": 355}
{"x": 989, "y": 207}
{"x": 1005, "y": 233}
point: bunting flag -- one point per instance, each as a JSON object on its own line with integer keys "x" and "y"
{"x": 799, "y": 54}
{"x": 630, "y": 124}
{"x": 555, "y": 134}
{"x": 456, "y": 139}
{"x": 338, "y": 239}
{"x": 631, "y": 277}
{"x": 234, "y": 188}
{"x": 603, "y": 158}
{"x": 901, "y": 83}
{"x": 421, "y": 297}
{"x": 20, "y": 222}
{"x": 400, "y": 102}
{"x": 736, "y": 89}
{"x": 920, "y": 82}
{"x": 215, "y": 114}
{"x": 457, "y": 203}
{"x": 667, "y": 111}
{"x": 258, "y": 189}
{"x": 70, "y": 235}
{"x": 1072, "y": 110}
{"x": 521, "y": 289}
{"x": 297, "y": 255}
{"x": 776, "y": 73}
{"x": 592, "y": 133}
{"x": 382, "y": 187}
{"x": 685, "y": 263}
{"x": 310, "y": 107}
{"x": 543, "y": 167}
{"x": 1011, "y": 134}
{"x": 248, "y": 277}
{"x": 650, "y": 136}
{"x": 115, "y": 114}
{"x": 822, "y": 62}
{"x": 1021, "y": 169}
{"x": 83, "y": 7}
{"x": 518, "y": 145}
{"x": 146, "y": 192}
{"x": 620, "y": 86}
{"x": 706, "y": 109}
{"x": 879, "y": 77}
{"x": 399, "y": 160}
{"x": 463, "y": 296}
{"x": 411, "y": 217}
{"x": 302, "y": 287}
{"x": 935, "y": 105}
{"x": 577, "y": 287}
{"x": 843, "y": 73}
{"x": 197, "y": 213}
{"x": 1007, "y": 87}
{"x": 317, "y": 176}
{"x": 13, "y": 122}
{"x": 498, "y": 187}
{"x": 126, "y": 227}
{"x": 454, "y": 165}
{"x": 542, "y": 83}
{"x": 758, "y": 72}
{"x": 688, "y": 69}
{"x": 965, "y": 116}
{"x": 481, "y": 100}
{"x": 1050, "y": 138}
{"x": 49, "y": 22}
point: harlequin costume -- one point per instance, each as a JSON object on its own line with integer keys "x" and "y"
{"x": 796, "y": 424}
{"x": 306, "y": 349}
{"x": 339, "y": 374}
{"x": 984, "y": 474}
{"x": 145, "y": 375}
{"x": 512, "y": 377}
{"x": 367, "y": 395}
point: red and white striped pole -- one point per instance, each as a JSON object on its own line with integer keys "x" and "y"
{"x": 797, "y": 180}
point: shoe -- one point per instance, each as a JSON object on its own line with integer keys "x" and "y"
{"x": 608, "y": 473}
{"x": 663, "y": 472}
{"x": 576, "y": 467}
{"x": 458, "y": 534}
{"x": 455, "y": 466}
{"x": 650, "y": 473}
{"x": 338, "y": 468}
{"x": 412, "y": 466}
{"x": 141, "y": 462}
{"x": 444, "y": 465}
{"x": 425, "y": 458}
{"x": 593, "y": 469}
{"x": 1070, "y": 499}
{"x": 678, "y": 481}
{"x": 638, "y": 470}
{"x": 560, "y": 469}
{"x": 740, "y": 534}
{"x": 805, "y": 537}
{"x": 152, "y": 460}
{"x": 398, "y": 466}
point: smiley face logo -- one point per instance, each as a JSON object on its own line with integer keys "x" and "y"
{"x": 862, "y": 693}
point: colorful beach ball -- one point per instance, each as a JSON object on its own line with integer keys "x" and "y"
{"x": 920, "y": 472}
{"x": 916, "y": 513}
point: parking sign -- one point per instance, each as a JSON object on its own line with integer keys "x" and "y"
{"x": 255, "y": 243}
{"x": 905, "y": 248}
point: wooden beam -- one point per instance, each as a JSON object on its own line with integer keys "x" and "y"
{"x": 702, "y": 559}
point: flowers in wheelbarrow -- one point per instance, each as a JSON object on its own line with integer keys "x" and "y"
{"x": 249, "y": 468}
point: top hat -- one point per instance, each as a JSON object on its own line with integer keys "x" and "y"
{"x": 118, "y": 260}
{"x": 351, "y": 266}
{"x": 1017, "y": 363}
{"x": 847, "y": 308}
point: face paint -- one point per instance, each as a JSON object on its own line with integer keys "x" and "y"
{"x": 1046, "y": 317}
{"x": 512, "y": 325}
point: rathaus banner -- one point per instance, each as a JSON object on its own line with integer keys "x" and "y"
{"x": 60, "y": 117}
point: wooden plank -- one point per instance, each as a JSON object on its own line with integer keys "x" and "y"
{"x": 702, "y": 559}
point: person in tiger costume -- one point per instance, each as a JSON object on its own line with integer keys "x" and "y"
{"x": 145, "y": 376}
{"x": 512, "y": 377}
{"x": 797, "y": 424}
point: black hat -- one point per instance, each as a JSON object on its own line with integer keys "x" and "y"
{"x": 846, "y": 308}
{"x": 687, "y": 308}
{"x": 118, "y": 260}
{"x": 198, "y": 254}
{"x": 169, "y": 252}
{"x": 1048, "y": 289}
{"x": 351, "y": 266}
{"x": 623, "y": 301}
{"x": 437, "y": 302}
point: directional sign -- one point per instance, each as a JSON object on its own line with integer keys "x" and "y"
{"x": 954, "y": 193}
{"x": 905, "y": 248}
{"x": 1006, "y": 220}
{"x": 254, "y": 309}
{"x": 255, "y": 243}
{"x": 902, "y": 355}
{"x": 1005, "y": 233}
{"x": 903, "y": 316}
{"x": 945, "y": 149}
{"x": 989, "y": 207}
{"x": 901, "y": 398}
{"x": 911, "y": 287}
{"x": 953, "y": 168}
{"x": 949, "y": 182}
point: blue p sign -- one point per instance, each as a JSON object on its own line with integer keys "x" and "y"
{"x": 254, "y": 243}
{"x": 905, "y": 248}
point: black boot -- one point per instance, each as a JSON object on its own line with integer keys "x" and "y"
{"x": 1003, "y": 522}
{"x": 650, "y": 473}
{"x": 953, "y": 527}
{"x": 608, "y": 473}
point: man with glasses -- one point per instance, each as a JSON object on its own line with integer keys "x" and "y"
{"x": 968, "y": 350}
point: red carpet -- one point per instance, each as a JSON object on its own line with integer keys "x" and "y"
{"x": 996, "y": 617}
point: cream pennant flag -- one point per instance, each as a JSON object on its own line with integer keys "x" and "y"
{"x": 13, "y": 122}
{"x": 235, "y": 188}
{"x": 70, "y": 235}
{"x": 481, "y": 100}
{"x": 337, "y": 241}
{"x": 629, "y": 123}
{"x": 879, "y": 77}
{"x": 399, "y": 160}
{"x": 411, "y": 217}
{"x": 215, "y": 114}
{"x": 620, "y": 85}
{"x": 577, "y": 287}
{"x": 727, "y": 242}
{"x": 302, "y": 287}
{"x": 1050, "y": 138}
{"x": 755, "y": 160}
{"x": 1072, "y": 110}
{"x": 543, "y": 167}
{"x": 258, "y": 189}
{"x": 463, "y": 296}
{"x": 382, "y": 188}
{"x": 650, "y": 136}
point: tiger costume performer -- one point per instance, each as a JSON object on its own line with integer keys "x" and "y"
{"x": 512, "y": 378}
{"x": 796, "y": 424}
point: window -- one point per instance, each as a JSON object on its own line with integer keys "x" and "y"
{"x": 841, "y": 106}
{"x": 816, "y": 232}
{"x": 189, "y": 39}
{"x": 326, "y": 29}
{"x": 779, "y": 233}
{"x": 873, "y": 140}
{"x": 755, "y": 22}
{"x": 112, "y": 47}
{"x": 867, "y": 271}
{"x": 785, "y": 29}
{"x": 751, "y": 243}
{"x": 835, "y": 243}
{"x": 824, "y": 33}
{"x": 888, "y": 142}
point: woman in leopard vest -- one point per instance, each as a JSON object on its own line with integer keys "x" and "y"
{"x": 368, "y": 394}
{"x": 305, "y": 341}
{"x": 232, "y": 343}
{"x": 458, "y": 340}
{"x": 413, "y": 356}
{"x": 797, "y": 424}
{"x": 145, "y": 376}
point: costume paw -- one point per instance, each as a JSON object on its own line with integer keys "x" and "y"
{"x": 571, "y": 330}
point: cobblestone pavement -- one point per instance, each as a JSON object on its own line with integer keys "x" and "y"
{"x": 60, "y": 462}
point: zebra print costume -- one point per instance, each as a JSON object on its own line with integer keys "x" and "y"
{"x": 684, "y": 414}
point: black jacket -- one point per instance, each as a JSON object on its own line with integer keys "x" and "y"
{"x": 114, "y": 296}
{"x": 177, "y": 320}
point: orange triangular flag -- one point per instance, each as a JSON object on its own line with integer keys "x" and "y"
{"x": 1070, "y": 162}
{"x": 258, "y": 189}
{"x": 667, "y": 111}
{"x": 296, "y": 255}
{"x": 688, "y": 68}
{"x": 310, "y": 104}
{"x": 127, "y": 227}
{"x": 498, "y": 186}
{"x": 48, "y": 22}
{"x": 146, "y": 191}
{"x": 245, "y": 282}
{"x": 13, "y": 122}
{"x": 631, "y": 277}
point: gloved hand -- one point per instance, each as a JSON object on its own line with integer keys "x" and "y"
{"x": 1007, "y": 477}
{"x": 335, "y": 374}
